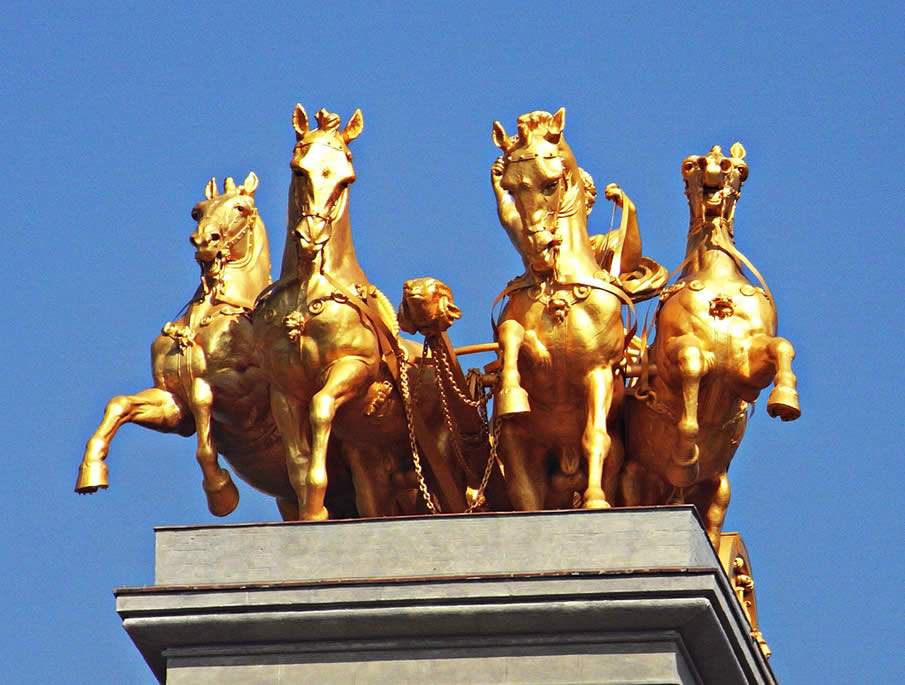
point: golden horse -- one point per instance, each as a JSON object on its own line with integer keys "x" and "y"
{"x": 327, "y": 340}
{"x": 561, "y": 332}
{"x": 715, "y": 349}
{"x": 204, "y": 378}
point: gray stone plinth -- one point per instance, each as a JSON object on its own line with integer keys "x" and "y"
{"x": 614, "y": 596}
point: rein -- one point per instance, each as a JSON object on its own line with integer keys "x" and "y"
{"x": 334, "y": 211}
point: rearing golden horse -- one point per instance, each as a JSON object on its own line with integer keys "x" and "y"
{"x": 205, "y": 381}
{"x": 715, "y": 349}
{"x": 561, "y": 332}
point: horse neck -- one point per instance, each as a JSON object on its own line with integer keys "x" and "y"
{"x": 337, "y": 260}
{"x": 704, "y": 257}
{"x": 576, "y": 256}
{"x": 249, "y": 276}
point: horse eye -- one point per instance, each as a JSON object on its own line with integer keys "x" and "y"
{"x": 550, "y": 188}
{"x": 196, "y": 215}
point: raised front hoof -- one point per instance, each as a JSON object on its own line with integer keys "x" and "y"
{"x": 92, "y": 476}
{"x": 783, "y": 402}
{"x": 594, "y": 499}
{"x": 222, "y": 497}
{"x": 510, "y": 401}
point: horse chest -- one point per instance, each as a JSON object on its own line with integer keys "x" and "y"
{"x": 300, "y": 342}
{"x": 720, "y": 312}
{"x": 198, "y": 346}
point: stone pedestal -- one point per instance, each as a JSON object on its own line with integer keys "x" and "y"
{"x": 614, "y": 596}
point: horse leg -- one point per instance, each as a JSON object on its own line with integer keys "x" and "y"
{"x": 641, "y": 487}
{"x": 687, "y": 355}
{"x": 287, "y": 414}
{"x": 222, "y": 495}
{"x": 288, "y": 508}
{"x": 373, "y": 492}
{"x": 152, "y": 408}
{"x": 596, "y": 441}
{"x": 511, "y": 398}
{"x": 345, "y": 379}
{"x": 711, "y": 498}
{"x": 778, "y": 353}
{"x": 525, "y": 467}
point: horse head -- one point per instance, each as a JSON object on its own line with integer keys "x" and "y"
{"x": 226, "y": 222}
{"x": 541, "y": 175}
{"x": 322, "y": 169}
{"x": 713, "y": 184}
{"x": 427, "y": 307}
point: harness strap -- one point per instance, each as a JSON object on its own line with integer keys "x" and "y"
{"x": 729, "y": 247}
{"x": 595, "y": 283}
{"x": 387, "y": 342}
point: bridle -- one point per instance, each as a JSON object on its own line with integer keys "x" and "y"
{"x": 333, "y": 211}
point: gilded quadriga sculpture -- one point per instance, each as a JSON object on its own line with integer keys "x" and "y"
{"x": 307, "y": 389}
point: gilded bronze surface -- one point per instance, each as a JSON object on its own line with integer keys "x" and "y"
{"x": 715, "y": 349}
{"x": 734, "y": 557}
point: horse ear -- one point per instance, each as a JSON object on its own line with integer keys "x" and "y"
{"x": 229, "y": 185}
{"x": 354, "y": 128}
{"x": 299, "y": 121}
{"x": 249, "y": 185}
{"x": 500, "y": 137}
{"x": 450, "y": 309}
{"x": 556, "y": 125}
{"x": 737, "y": 151}
{"x": 210, "y": 190}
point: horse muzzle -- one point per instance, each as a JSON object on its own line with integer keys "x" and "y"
{"x": 545, "y": 246}
{"x": 312, "y": 233}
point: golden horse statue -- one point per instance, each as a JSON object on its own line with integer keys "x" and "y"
{"x": 715, "y": 349}
{"x": 204, "y": 379}
{"x": 561, "y": 333}
{"x": 328, "y": 342}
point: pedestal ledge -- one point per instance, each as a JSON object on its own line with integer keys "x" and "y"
{"x": 611, "y": 596}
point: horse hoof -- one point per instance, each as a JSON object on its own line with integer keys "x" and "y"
{"x": 512, "y": 401}
{"x": 320, "y": 515}
{"x": 222, "y": 498}
{"x": 595, "y": 500}
{"x": 92, "y": 475}
{"x": 783, "y": 402}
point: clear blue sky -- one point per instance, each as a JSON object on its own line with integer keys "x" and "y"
{"x": 113, "y": 120}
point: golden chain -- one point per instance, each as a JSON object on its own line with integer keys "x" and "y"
{"x": 410, "y": 423}
{"x": 479, "y": 404}
{"x": 442, "y": 359}
{"x": 494, "y": 441}
{"x": 456, "y": 442}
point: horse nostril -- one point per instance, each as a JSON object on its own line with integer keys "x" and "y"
{"x": 193, "y": 240}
